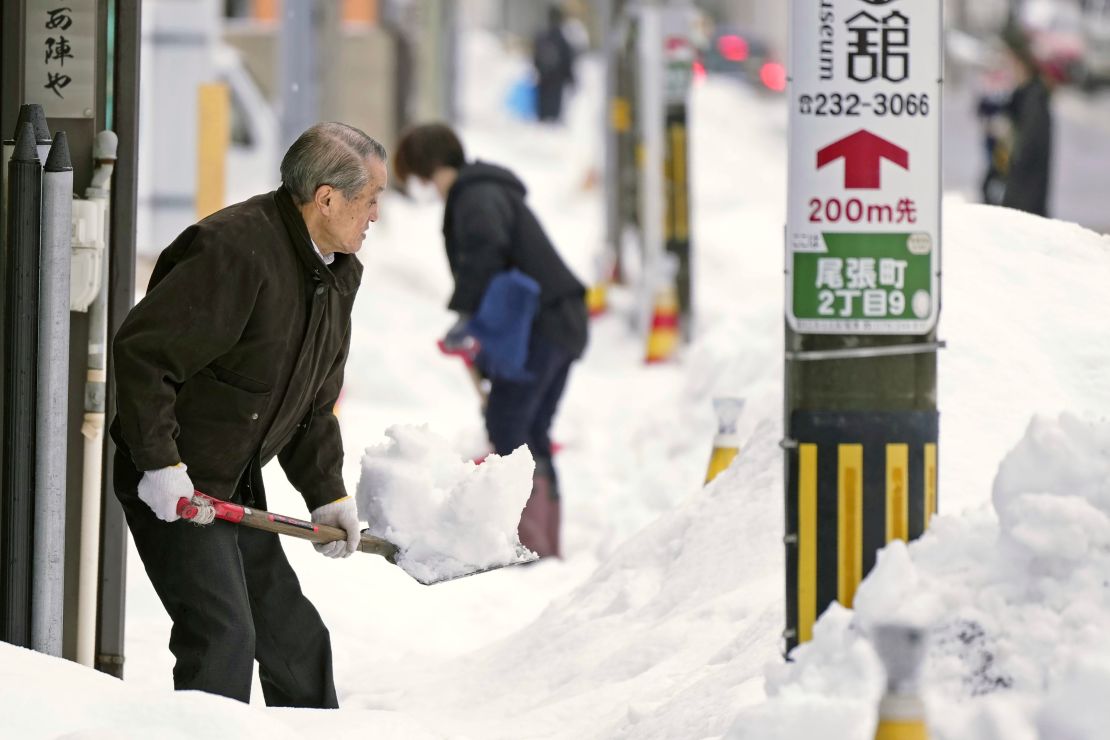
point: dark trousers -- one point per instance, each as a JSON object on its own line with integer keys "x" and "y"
{"x": 233, "y": 599}
{"x": 549, "y": 98}
{"x": 520, "y": 413}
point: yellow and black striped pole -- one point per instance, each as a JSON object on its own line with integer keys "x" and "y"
{"x": 855, "y": 482}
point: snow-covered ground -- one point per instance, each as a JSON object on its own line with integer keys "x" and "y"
{"x": 664, "y": 619}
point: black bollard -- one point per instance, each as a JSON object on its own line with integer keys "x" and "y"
{"x": 17, "y": 480}
{"x": 33, "y": 114}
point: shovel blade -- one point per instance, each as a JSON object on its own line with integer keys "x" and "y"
{"x": 524, "y": 556}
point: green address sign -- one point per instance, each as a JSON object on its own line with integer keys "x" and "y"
{"x": 869, "y": 282}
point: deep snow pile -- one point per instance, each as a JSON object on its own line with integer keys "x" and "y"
{"x": 658, "y": 643}
{"x": 447, "y": 516}
{"x": 1017, "y": 610}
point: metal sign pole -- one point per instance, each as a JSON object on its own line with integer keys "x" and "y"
{"x": 679, "y": 75}
{"x": 862, "y": 257}
{"x": 649, "y": 117}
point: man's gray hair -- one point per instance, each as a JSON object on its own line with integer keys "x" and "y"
{"x": 328, "y": 154}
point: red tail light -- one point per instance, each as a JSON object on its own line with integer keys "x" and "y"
{"x": 733, "y": 48}
{"x": 773, "y": 76}
{"x": 698, "y": 71}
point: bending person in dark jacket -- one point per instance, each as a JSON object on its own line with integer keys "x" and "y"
{"x": 235, "y": 356}
{"x": 488, "y": 229}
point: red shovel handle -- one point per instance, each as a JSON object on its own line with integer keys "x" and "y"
{"x": 278, "y": 523}
{"x": 186, "y": 509}
{"x": 229, "y": 512}
{"x": 467, "y": 352}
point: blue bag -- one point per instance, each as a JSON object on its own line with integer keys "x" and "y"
{"x": 521, "y": 98}
{"x": 503, "y": 325}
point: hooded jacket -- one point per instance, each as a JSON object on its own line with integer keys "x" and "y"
{"x": 236, "y": 355}
{"x": 487, "y": 229}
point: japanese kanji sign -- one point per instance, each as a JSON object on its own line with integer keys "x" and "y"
{"x": 61, "y": 56}
{"x": 863, "y": 217}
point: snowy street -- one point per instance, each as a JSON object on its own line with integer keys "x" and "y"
{"x": 664, "y": 619}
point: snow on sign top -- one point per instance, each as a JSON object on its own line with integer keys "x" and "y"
{"x": 863, "y": 218}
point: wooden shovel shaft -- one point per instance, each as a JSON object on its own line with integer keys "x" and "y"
{"x": 281, "y": 524}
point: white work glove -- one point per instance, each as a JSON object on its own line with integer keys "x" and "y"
{"x": 161, "y": 490}
{"x": 457, "y": 337}
{"x": 342, "y": 513}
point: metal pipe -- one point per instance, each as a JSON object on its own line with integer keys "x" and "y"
{"x": 20, "y": 350}
{"x": 861, "y": 353}
{"x": 650, "y": 116}
{"x": 111, "y": 606}
{"x": 104, "y": 151}
{"x": 611, "y": 49}
{"x": 48, "y": 579}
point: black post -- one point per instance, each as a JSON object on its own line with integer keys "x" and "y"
{"x": 17, "y": 482}
{"x": 677, "y": 223}
{"x": 121, "y": 294}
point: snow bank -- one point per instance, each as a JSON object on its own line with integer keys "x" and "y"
{"x": 1017, "y": 608}
{"x": 658, "y": 643}
{"x": 448, "y": 517}
{"x": 46, "y": 697}
{"x": 1024, "y": 310}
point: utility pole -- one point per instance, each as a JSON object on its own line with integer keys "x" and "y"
{"x": 622, "y": 186}
{"x": 298, "y": 69}
{"x": 652, "y": 135}
{"x": 862, "y": 259}
{"x": 615, "y": 120}
{"x": 437, "y": 60}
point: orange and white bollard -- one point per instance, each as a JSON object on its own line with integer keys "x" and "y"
{"x": 726, "y": 443}
{"x": 662, "y": 341}
{"x": 597, "y": 295}
{"x": 597, "y": 300}
{"x": 901, "y": 648}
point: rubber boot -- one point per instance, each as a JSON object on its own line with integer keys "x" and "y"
{"x": 539, "y": 522}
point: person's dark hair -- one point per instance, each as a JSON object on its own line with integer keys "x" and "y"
{"x": 1017, "y": 41}
{"x": 425, "y": 148}
{"x": 554, "y": 15}
{"x": 328, "y": 154}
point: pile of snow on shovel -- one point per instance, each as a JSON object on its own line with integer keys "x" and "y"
{"x": 447, "y": 516}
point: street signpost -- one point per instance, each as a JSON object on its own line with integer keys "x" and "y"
{"x": 862, "y": 267}
{"x": 863, "y": 221}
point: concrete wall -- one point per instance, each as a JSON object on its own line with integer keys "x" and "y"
{"x": 362, "y": 86}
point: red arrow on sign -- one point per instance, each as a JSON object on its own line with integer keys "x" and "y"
{"x": 863, "y": 152}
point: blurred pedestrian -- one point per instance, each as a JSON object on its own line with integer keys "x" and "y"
{"x": 490, "y": 233}
{"x": 992, "y": 111}
{"x": 235, "y": 356}
{"x": 1030, "y": 159}
{"x": 553, "y": 58}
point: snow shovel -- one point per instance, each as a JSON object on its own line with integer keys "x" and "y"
{"x": 467, "y": 353}
{"x": 319, "y": 533}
